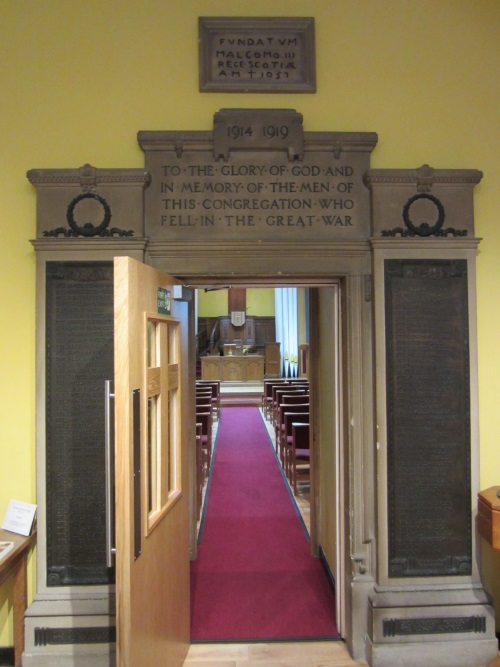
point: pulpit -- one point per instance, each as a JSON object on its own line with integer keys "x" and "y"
{"x": 233, "y": 368}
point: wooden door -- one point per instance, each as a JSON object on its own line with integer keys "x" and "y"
{"x": 151, "y": 468}
{"x": 327, "y": 465}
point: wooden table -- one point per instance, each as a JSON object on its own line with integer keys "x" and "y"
{"x": 14, "y": 565}
{"x": 488, "y": 516}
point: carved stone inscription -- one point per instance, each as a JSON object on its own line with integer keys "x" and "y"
{"x": 257, "y": 195}
{"x": 428, "y": 413}
{"x": 257, "y": 54}
{"x": 79, "y": 360}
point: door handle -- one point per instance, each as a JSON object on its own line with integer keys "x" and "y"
{"x": 109, "y": 447}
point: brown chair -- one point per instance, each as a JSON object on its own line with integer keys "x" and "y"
{"x": 275, "y": 388}
{"x": 267, "y": 395}
{"x": 296, "y": 397}
{"x": 204, "y": 419}
{"x": 299, "y": 382}
{"x": 204, "y": 400}
{"x": 214, "y": 387}
{"x": 286, "y": 436}
{"x": 278, "y": 396}
{"x": 279, "y": 427}
{"x": 200, "y": 475}
{"x": 300, "y": 462}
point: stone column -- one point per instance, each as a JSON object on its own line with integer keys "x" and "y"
{"x": 428, "y": 606}
{"x": 85, "y": 217}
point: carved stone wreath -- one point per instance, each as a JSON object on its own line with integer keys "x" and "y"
{"x": 88, "y": 228}
{"x": 424, "y": 229}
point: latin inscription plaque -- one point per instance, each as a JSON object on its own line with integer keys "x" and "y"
{"x": 261, "y": 54}
{"x": 79, "y": 359}
{"x": 257, "y": 193}
{"x": 428, "y": 413}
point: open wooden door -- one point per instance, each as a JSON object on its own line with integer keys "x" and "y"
{"x": 327, "y": 482}
{"x": 151, "y": 468}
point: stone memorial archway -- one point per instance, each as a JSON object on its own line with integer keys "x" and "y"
{"x": 258, "y": 199}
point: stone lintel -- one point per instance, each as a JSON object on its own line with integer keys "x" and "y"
{"x": 179, "y": 141}
{"x": 119, "y": 246}
{"x": 433, "y": 244}
{"x": 88, "y": 176}
{"x": 424, "y": 178}
{"x": 264, "y": 259}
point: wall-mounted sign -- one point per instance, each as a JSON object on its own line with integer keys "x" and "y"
{"x": 163, "y": 301}
{"x": 257, "y": 55}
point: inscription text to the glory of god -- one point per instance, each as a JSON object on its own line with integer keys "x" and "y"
{"x": 313, "y": 199}
{"x": 257, "y": 177}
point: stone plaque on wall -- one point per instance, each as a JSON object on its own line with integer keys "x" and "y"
{"x": 265, "y": 182}
{"x": 79, "y": 334}
{"x": 428, "y": 414}
{"x": 262, "y": 54}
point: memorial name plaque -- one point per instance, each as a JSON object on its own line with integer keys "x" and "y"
{"x": 240, "y": 182}
{"x": 257, "y": 54}
{"x": 428, "y": 414}
{"x": 79, "y": 360}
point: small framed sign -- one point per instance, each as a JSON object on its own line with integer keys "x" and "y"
{"x": 163, "y": 301}
{"x": 257, "y": 55}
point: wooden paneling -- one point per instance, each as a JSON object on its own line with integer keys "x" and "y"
{"x": 236, "y": 299}
{"x": 273, "y": 360}
{"x": 244, "y": 368}
{"x": 257, "y": 331}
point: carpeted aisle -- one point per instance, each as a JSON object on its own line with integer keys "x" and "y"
{"x": 254, "y": 578}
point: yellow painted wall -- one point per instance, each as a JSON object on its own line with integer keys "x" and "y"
{"x": 79, "y": 79}
{"x": 212, "y": 304}
{"x": 259, "y": 300}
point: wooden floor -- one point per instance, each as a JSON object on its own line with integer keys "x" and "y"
{"x": 277, "y": 654}
{"x": 300, "y": 654}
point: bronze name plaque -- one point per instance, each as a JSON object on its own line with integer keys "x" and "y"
{"x": 257, "y": 55}
{"x": 79, "y": 334}
{"x": 257, "y": 177}
{"x": 428, "y": 414}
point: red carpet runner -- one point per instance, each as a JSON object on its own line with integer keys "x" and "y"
{"x": 255, "y": 578}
